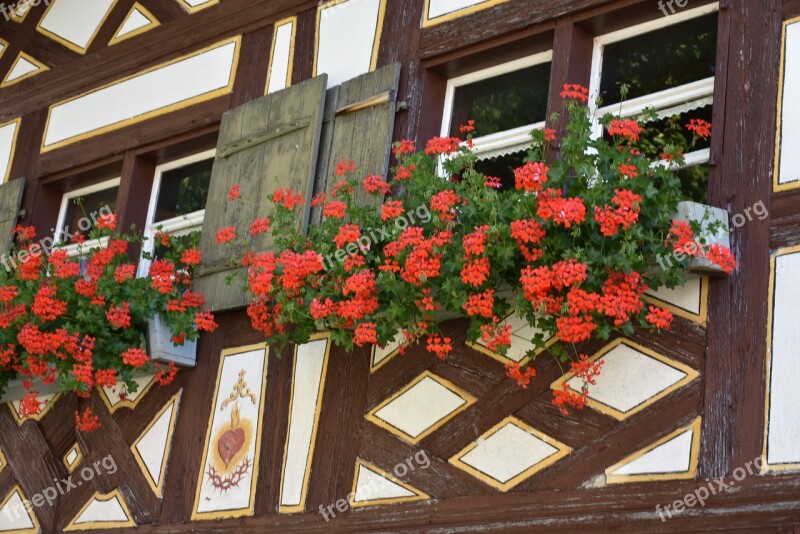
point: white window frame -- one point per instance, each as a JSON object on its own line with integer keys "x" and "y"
{"x": 177, "y": 226}
{"x": 500, "y": 143}
{"x": 668, "y": 102}
{"x": 80, "y": 249}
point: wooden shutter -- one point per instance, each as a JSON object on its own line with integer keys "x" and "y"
{"x": 359, "y": 125}
{"x": 10, "y": 202}
{"x": 266, "y": 144}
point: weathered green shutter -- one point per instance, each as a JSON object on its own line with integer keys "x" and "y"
{"x": 266, "y": 144}
{"x": 10, "y": 202}
{"x": 359, "y": 125}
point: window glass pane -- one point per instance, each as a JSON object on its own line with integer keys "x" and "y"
{"x": 670, "y": 130}
{"x": 661, "y": 59}
{"x": 504, "y": 102}
{"x": 183, "y": 190}
{"x": 84, "y": 206}
{"x": 502, "y": 167}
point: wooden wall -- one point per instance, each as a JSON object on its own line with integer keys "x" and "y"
{"x": 729, "y": 352}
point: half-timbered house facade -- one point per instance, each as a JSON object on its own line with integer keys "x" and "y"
{"x": 156, "y": 108}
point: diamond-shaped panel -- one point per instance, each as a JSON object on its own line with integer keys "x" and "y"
{"x": 632, "y": 378}
{"x": 421, "y": 407}
{"x": 521, "y": 335}
{"x": 509, "y": 453}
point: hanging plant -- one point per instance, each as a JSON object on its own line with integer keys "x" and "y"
{"x": 574, "y": 241}
{"x": 79, "y": 321}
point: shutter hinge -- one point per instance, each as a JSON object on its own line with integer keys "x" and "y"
{"x": 260, "y": 138}
{"x": 374, "y": 101}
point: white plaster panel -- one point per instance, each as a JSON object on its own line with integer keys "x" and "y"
{"x": 110, "y": 511}
{"x": 347, "y": 36}
{"x": 14, "y": 515}
{"x": 374, "y": 486}
{"x": 281, "y": 58}
{"x": 21, "y": 68}
{"x": 439, "y": 8}
{"x": 789, "y": 168}
{"x": 686, "y": 297}
{"x": 783, "y": 438}
{"x": 145, "y": 93}
{"x": 303, "y": 418}
{"x": 136, "y": 21}
{"x": 629, "y": 378}
{"x": 76, "y": 21}
{"x": 154, "y": 444}
{"x": 674, "y": 456}
{"x": 8, "y": 133}
{"x": 420, "y": 407}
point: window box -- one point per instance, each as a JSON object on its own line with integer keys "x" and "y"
{"x": 716, "y": 229}
{"x": 162, "y": 349}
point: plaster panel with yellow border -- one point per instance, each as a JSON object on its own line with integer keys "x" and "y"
{"x": 439, "y": 11}
{"x": 194, "y": 6}
{"x": 21, "y": 11}
{"x": 787, "y": 107}
{"x": 281, "y": 56}
{"x": 358, "y": 24}
{"x": 689, "y": 473}
{"x": 382, "y": 478}
{"x": 138, "y": 10}
{"x": 118, "y": 396}
{"x": 689, "y": 375}
{"x": 75, "y": 23}
{"x": 700, "y": 317}
{"x": 47, "y": 402}
{"x": 3, "y": 461}
{"x": 152, "y": 448}
{"x": 516, "y": 342}
{"x": 226, "y": 483}
{"x": 497, "y": 453}
{"x": 18, "y": 518}
{"x": 102, "y": 511}
{"x": 150, "y": 93}
{"x": 73, "y": 458}
{"x": 3, "y": 47}
{"x": 783, "y": 466}
{"x": 379, "y": 356}
{"x": 305, "y": 406}
{"x": 428, "y": 399}
{"x": 24, "y": 67}
{"x": 9, "y": 132}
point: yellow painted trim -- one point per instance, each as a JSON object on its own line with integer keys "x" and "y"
{"x": 701, "y": 318}
{"x": 469, "y": 400}
{"x": 36, "y": 526}
{"x": 69, "y": 44}
{"x": 300, "y": 507}
{"x": 691, "y": 375}
{"x": 154, "y": 23}
{"x": 419, "y": 495}
{"x": 158, "y": 486}
{"x": 373, "y": 367}
{"x": 769, "y": 468}
{"x": 776, "y": 185}
{"x": 96, "y": 525}
{"x": 241, "y": 512}
{"x": 3, "y": 461}
{"x": 690, "y": 474}
{"x": 126, "y": 403}
{"x": 290, "y": 68}
{"x": 157, "y": 112}
{"x": 5, "y": 46}
{"x": 4, "y": 179}
{"x": 504, "y": 359}
{"x": 486, "y": 4}
{"x": 191, "y": 10}
{"x": 71, "y": 468}
{"x": 38, "y": 416}
{"x": 561, "y": 452}
{"x": 27, "y": 57}
{"x": 376, "y": 43}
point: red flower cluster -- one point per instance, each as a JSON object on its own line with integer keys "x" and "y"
{"x": 443, "y": 203}
{"x": 442, "y": 145}
{"x": 86, "y": 421}
{"x": 575, "y": 92}
{"x": 621, "y": 217}
{"x": 531, "y": 177}
{"x": 659, "y": 318}
{"x": 523, "y": 378}
{"x": 528, "y": 233}
{"x": 627, "y": 128}
{"x": 562, "y": 211}
{"x": 566, "y": 398}
{"x": 700, "y": 128}
{"x": 287, "y": 199}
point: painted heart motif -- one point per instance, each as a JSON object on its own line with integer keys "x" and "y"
{"x": 229, "y": 444}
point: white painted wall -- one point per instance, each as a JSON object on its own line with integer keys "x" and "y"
{"x": 789, "y": 168}
{"x": 347, "y": 35}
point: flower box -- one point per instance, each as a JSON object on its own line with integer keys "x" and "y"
{"x": 715, "y": 229}
{"x": 162, "y": 349}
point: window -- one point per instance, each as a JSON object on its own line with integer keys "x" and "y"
{"x": 178, "y": 201}
{"x": 668, "y": 65}
{"x": 79, "y": 212}
{"x": 506, "y": 102}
